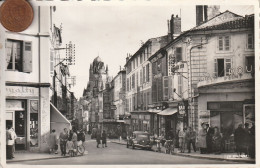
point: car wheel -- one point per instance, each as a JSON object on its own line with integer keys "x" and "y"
{"x": 133, "y": 146}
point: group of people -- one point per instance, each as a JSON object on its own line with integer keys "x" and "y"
{"x": 187, "y": 137}
{"x": 68, "y": 141}
{"x": 245, "y": 140}
{"x": 209, "y": 139}
{"x": 101, "y": 137}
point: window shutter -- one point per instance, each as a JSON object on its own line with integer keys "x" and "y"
{"x": 215, "y": 68}
{"x": 137, "y": 84}
{"x": 154, "y": 91}
{"x": 250, "y": 41}
{"x": 227, "y": 43}
{"x": 179, "y": 54}
{"x": 160, "y": 87}
{"x": 170, "y": 87}
{"x": 228, "y": 66}
{"x": 141, "y": 77}
{"x": 27, "y": 57}
{"x": 165, "y": 87}
{"x": 220, "y": 43}
{"x": 147, "y": 73}
{"x": 143, "y": 74}
{"x": 52, "y": 62}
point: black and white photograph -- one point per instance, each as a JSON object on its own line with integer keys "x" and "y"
{"x": 128, "y": 83}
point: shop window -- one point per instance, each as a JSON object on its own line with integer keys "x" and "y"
{"x": 222, "y": 67}
{"x": 224, "y": 43}
{"x": 18, "y": 56}
{"x": 34, "y": 123}
{"x": 250, "y": 41}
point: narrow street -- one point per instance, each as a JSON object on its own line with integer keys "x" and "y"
{"x": 119, "y": 154}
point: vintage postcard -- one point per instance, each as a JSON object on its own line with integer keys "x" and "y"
{"x": 129, "y": 83}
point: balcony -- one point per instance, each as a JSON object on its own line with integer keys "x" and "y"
{"x": 211, "y": 80}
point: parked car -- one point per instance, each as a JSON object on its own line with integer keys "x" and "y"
{"x": 139, "y": 139}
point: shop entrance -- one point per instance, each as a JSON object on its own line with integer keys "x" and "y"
{"x": 16, "y": 116}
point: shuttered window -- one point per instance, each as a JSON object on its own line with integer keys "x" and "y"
{"x": 147, "y": 72}
{"x": 165, "y": 87}
{"x": 141, "y": 77}
{"x": 127, "y": 84}
{"x": 133, "y": 81}
{"x": 178, "y": 54}
{"x": 19, "y": 55}
{"x": 154, "y": 91}
{"x": 224, "y": 43}
{"x": 250, "y": 41}
{"x": 144, "y": 74}
{"x": 228, "y": 66}
{"x": 137, "y": 79}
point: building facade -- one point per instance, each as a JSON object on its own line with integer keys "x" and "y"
{"x": 27, "y": 82}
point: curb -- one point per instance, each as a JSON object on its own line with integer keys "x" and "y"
{"x": 58, "y": 157}
{"x": 203, "y": 157}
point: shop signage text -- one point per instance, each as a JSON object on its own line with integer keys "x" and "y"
{"x": 21, "y": 91}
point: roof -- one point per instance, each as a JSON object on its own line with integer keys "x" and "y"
{"x": 236, "y": 23}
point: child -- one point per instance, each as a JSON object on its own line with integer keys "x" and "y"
{"x": 70, "y": 147}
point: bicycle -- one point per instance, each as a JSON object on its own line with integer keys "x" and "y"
{"x": 80, "y": 148}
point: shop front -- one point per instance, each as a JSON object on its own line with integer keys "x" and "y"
{"x": 23, "y": 113}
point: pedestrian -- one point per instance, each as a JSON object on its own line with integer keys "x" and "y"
{"x": 247, "y": 139}
{"x": 10, "y": 141}
{"x": 216, "y": 141}
{"x": 74, "y": 139}
{"x": 202, "y": 139}
{"x": 191, "y": 139}
{"x": 98, "y": 138}
{"x": 104, "y": 139}
{"x": 239, "y": 139}
{"x": 63, "y": 140}
{"x": 70, "y": 147}
{"x": 53, "y": 142}
{"x": 182, "y": 138}
{"x": 252, "y": 144}
{"x": 210, "y": 132}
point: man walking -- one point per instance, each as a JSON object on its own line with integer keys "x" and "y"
{"x": 210, "y": 133}
{"x": 191, "y": 138}
{"x": 63, "y": 140}
{"x": 104, "y": 139}
{"x": 10, "y": 139}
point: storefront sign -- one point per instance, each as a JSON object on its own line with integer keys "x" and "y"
{"x": 20, "y": 91}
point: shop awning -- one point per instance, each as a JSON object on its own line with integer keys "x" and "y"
{"x": 168, "y": 111}
{"x": 57, "y": 117}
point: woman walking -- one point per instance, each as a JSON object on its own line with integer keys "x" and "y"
{"x": 104, "y": 139}
{"x": 182, "y": 139}
{"x": 202, "y": 139}
{"x": 216, "y": 141}
{"x": 98, "y": 138}
{"x": 53, "y": 142}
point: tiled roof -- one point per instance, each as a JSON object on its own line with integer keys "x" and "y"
{"x": 245, "y": 22}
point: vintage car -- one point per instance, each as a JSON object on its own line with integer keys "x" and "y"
{"x": 139, "y": 139}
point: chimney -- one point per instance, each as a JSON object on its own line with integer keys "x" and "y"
{"x": 175, "y": 26}
{"x": 204, "y": 13}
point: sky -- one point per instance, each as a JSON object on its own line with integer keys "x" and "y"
{"x": 113, "y": 31}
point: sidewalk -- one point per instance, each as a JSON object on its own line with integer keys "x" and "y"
{"x": 224, "y": 156}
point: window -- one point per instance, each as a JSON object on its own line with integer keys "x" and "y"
{"x": 144, "y": 74}
{"x": 147, "y": 73}
{"x": 179, "y": 54}
{"x": 165, "y": 87}
{"x": 250, "y": 41}
{"x": 19, "y": 55}
{"x": 127, "y": 84}
{"x": 224, "y": 43}
{"x": 137, "y": 84}
{"x": 141, "y": 58}
{"x": 141, "y": 77}
{"x": 136, "y": 61}
{"x": 250, "y": 64}
{"x": 133, "y": 64}
{"x": 222, "y": 67}
{"x": 180, "y": 85}
{"x": 133, "y": 81}
{"x": 130, "y": 84}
